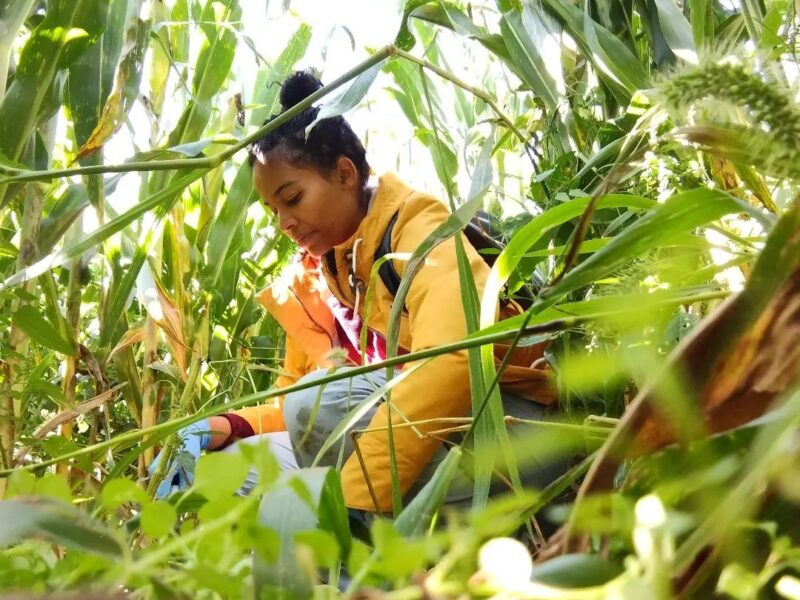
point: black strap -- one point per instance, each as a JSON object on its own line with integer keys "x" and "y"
{"x": 389, "y": 275}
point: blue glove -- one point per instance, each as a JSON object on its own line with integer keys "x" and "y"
{"x": 193, "y": 438}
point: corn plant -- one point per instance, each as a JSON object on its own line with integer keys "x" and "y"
{"x": 639, "y": 161}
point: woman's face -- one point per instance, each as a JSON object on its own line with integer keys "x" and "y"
{"x": 316, "y": 210}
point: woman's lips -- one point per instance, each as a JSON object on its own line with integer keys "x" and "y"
{"x": 303, "y": 240}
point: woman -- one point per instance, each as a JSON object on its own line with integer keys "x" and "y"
{"x": 319, "y": 191}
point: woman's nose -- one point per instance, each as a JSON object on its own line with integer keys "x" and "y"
{"x": 286, "y": 222}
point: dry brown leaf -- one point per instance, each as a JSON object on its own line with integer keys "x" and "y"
{"x": 68, "y": 415}
{"x": 132, "y": 336}
{"x": 172, "y": 326}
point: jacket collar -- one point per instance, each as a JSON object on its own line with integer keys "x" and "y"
{"x": 298, "y": 291}
{"x": 338, "y": 265}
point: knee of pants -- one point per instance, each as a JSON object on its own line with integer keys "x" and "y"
{"x": 299, "y": 406}
{"x": 301, "y": 401}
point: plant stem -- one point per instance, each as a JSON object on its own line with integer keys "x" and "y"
{"x": 149, "y": 412}
{"x": 69, "y": 383}
{"x": 250, "y": 399}
{"x": 163, "y": 552}
{"x": 171, "y": 426}
{"x": 18, "y": 341}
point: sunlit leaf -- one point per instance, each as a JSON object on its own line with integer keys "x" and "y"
{"x": 220, "y": 474}
{"x": 42, "y": 331}
{"x": 121, "y": 491}
{"x": 53, "y": 45}
{"x": 348, "y": 98}
{"x": 158, "y": 518}
{"x": 162, "y": 199}
{"x": 59, "y": 522}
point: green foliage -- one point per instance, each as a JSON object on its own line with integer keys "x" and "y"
{"x": 638, "y": 209}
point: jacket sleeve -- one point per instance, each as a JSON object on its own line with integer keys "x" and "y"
{"x": 438, "y": 389}
{"x": 268, "y": 418}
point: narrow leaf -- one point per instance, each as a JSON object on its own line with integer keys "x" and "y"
{"x": 416, "y": 517}
{"x": 349, "y": 98}
{"x": 163, "y": 199}
{"x": 532, "y": 48}
{"x": 679, "y": 214}
{"x": 62, "y": 524}
{"x": 41, "y": 330}
{"x": 125, "y": 90}
{"x": 676, "y": 29}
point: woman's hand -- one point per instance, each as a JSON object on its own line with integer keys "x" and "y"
{"x": 206, "y": 434}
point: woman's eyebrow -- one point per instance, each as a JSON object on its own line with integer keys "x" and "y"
{"x": 282, "y": 187}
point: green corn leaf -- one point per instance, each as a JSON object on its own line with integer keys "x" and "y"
{"x": 487, "y": 430}
{"x": 58, "y": 522}
{"x": 125, "y": 90}
{"x": 163, "y": 200}
{"x": 663, "y": 56}
{"x": 404, "y": 38}
{"x": 700, "y": 16}
{"x": 620, "y": 69}
{"x": 227, "y": 224}
{"x": 119, "y": 296}
{"x": 266, "y": 96}
{"x": 446, "y": 15}
{"x": 526, "y": 35}
{"x": 305, "y": 500}
{"x": 416, "y": 517}
{"x": 676, "y": 30}
{"x": 65, "y": 210}
{"x": 67, "y": 30}
{"x": 361, "y": 409}
{"x": 531, "y": 233}
{"x": 91, "y": 76}
{"x": 627, "y": 309}
{"x": 219, "y": 46}
{"x": 52, "y": 308}
{"x": 753, "y": 14}
{"x": 444, "y": 157}
{"x": 159, "y": 58}
{"x": 349, "y": 98}
{"x": 219, "y": 21}
{"x": 12, "y": 16}
{"x": 41, "y": 330}
{"x": 179, "y": 31}
{"x": 242, "y": 194}
{"x": 678, "y": 215}
{"x": 413, "y": 100}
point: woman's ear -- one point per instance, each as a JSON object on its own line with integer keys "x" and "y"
{"x": 347, "y": 173}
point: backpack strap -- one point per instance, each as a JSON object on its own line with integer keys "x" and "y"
{"x": 389, "y": 275}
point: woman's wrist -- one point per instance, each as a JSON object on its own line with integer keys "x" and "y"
{"x": 227, "y": 429}
{"x": 220, "y": 432}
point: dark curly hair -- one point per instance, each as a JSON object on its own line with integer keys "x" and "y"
{"x": 328, "y": 140}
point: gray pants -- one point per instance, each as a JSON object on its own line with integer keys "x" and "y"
{"x": 312, "y": 414}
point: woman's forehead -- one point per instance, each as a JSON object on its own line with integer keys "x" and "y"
{"x": 275, "y": 175}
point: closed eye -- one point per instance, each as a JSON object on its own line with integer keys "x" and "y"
{"x": 294, "y": 200}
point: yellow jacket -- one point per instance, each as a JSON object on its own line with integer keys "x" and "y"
{"x": 435, "y": 316}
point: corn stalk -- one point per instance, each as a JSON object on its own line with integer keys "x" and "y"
{"x": 18, "y": 345}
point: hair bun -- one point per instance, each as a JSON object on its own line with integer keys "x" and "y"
{"x": 297, "y": 88}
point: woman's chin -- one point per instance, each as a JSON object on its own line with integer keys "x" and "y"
{"x": 316, "y": 250}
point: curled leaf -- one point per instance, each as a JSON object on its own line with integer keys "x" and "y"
{"x": 125, "y": 90}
